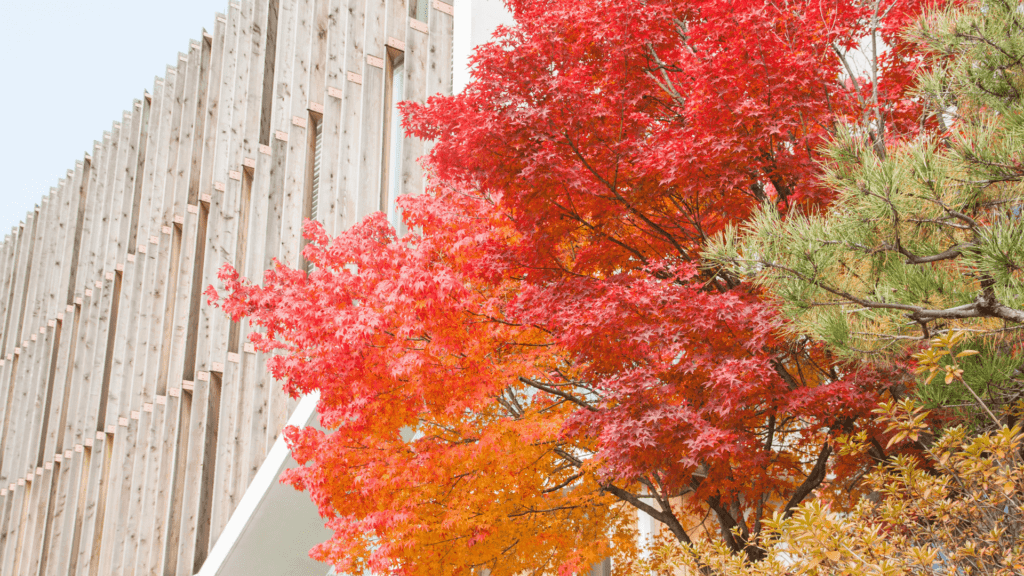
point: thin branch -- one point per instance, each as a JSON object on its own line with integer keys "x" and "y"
{"x": 561, "y": 485}
{"x": 813, "y": 480}
{"x": 556, "y": 392}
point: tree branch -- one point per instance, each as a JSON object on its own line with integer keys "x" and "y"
{"x": 983, "y": 306}
{"x": 665, "y": 517}
{"x": 556, "y": 392}
{"x": 813, "y": 480}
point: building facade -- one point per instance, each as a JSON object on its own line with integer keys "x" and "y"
{"x": 135, "y": 417}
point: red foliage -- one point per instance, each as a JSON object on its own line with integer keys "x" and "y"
{"x": 548, "y": 329}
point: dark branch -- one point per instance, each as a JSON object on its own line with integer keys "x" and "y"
{"x": 556, "y": 392}
{"x": 813, "y": 480}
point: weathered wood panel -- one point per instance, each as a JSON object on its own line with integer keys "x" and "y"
{"x": 134, "y": 416}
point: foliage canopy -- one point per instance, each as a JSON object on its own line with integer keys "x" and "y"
{"x": 544, "y": 352}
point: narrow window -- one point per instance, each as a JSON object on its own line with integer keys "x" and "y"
{"x": 177, "y": 484}
{"x": 108, "y": 364}
{"x": 101, "y": 502}
{"x": 55, "y": 346}
{"x": 199, "y": 127}
{"x": 209, "y": 466}
{"x": 418, "y": 9}
{"x": 242, "y": 245}
{"x": 269, "y": 62}
{"x": 67, "y": 380}
{"x": 83, "y": 194}
{"x": 311, "y": 204}
{"x": 392, "y": 174}
{"x": 196, "y": 294}
{"x": 76, "y": 535}
{"x": 318, "y": 141}
{"x": 169, "y": 301}
{"x": 48, "y": 529}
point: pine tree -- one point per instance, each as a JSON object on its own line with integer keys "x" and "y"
{"x": 926, "y": 235}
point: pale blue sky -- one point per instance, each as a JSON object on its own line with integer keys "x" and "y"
{"x": 68, "y": 69}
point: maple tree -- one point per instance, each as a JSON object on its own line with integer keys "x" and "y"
{"x": 544, "y": 353}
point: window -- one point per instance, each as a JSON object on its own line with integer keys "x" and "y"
{"x": 269, "y": 62}
{"x": 314, "y": 200}
{"x": 393, "y": 93}
{"x": 242, "y": 244}
{"x": 418, "y": 9}
{"x": 311, "y": 206}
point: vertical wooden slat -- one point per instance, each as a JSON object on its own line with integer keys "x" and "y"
{"x": 154, "y": 240}
{"x": 42, "y": 431}
{"x": 200, "y": 462}
{"x": 187, "y": 212}
{"x": 417, "y": 53}
{"x": 193, "y": 238}
{"x": 36, "y": 342}
{"x": 272, "y": 213}
{"x": 164, "y": 242}
{"x": 251, "y": 245}
{"x": 7, "y": 265}
{"x": 332, "y": 98}
{"x": 14, "y": 408}
{"x": 79, "y": 361}
{"x": 59, "y": 547}
{"x": 143, "y": 339}
{"x": 124, "y": 322}
{"x": 98, "y": 300}
{"x": 253, "y": 381}
{"x": 64, "y": 539}
{"x": 17, "y": 412}
{"x": 33, "y": 341}
{"x": 371, "y": 115}
{"x": 65, "y": 319}
{"x": 293, "y": 197}
{"x": 112, "y": 318}
{"x": 233, "y": 212}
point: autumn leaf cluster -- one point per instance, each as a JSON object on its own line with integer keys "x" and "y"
{"x": 544, "y": 351}
{"x": 955, "y": 509}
